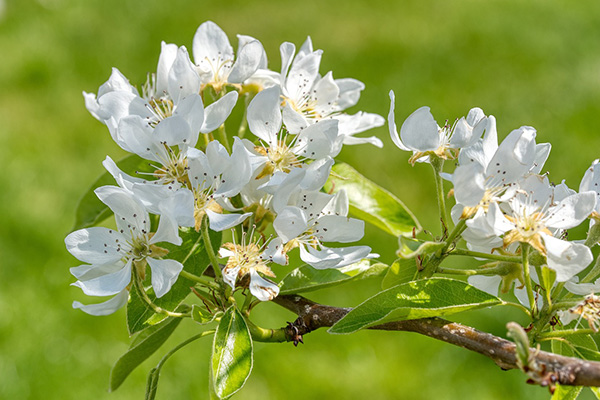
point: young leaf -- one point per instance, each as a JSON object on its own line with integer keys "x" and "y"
{"x": 307, "y": 278}
{"x": 90, "y": 210}
{"x": 195, "y": 260}
{"x": 401, "y": 271}
{"x": 141, "y": 351}
{"x": 232, "y": 354}
{"x": 431, "y": 297}
{"x": 372, "y": 203}
{"x": 202, "y": 316}
{"x": 566, "y": 392}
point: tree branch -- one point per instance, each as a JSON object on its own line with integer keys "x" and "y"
{"x": 544, "y": 368}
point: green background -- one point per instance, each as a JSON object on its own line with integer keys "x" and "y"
{"x": 528, "y": 63}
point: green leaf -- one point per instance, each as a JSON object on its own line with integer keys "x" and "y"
{"x": 401, "y": 271}
{"x": 596, "y": 392}
{"x": 307, "y": 278}
{"x": 143, "y": 349}
{"x": 232, "y": 354}
{"x": 195, "y": 260}
{"x": 566, "y": 392}
{"x": 372, "y": 203}
{"x": 90, "y": 210}
{"x": 202, "y": 316}
{"x": 425, "y": 298}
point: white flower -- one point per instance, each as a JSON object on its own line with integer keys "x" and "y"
{"x": 245, "y": 261}
{"x": 421, "y": 134}
{"x": 215, "y": 176}
{"x": 487, "y": 177}
{"x": 215, "y": 59}
{"x": 316, "y": 218}
{"x": 113, "y": 253}
{"x": 536, "y": 217}
{"x": 282, "y": 152}
{"x": 591, "y": 182}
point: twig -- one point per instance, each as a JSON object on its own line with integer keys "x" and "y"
{"x": 563, "y": 370}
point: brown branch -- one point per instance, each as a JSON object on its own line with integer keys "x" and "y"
{"x": 544, "y": 368}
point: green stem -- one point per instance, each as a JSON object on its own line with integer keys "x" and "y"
{"x": 247, "y": 301}
{"x": 199, "y": 279}
{"x": 159, "y": 310}
{"x": 212, "y": 257}
{"x": 478, "y": 254}
{"x": 525, "y": 262}
{"x": 266, "y": 335}
{"x": 224, "y": 139}
{"x": 565, "y": 333}
{"x": 564, "y": 304}
{"x": 499, "y": 270}
{"x": 438, "y": 164}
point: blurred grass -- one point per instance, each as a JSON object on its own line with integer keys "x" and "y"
{"x": 528, "y": 63}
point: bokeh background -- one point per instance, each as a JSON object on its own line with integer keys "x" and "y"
{"x": 528, "y": 63}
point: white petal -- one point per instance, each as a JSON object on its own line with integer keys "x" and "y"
{"x": 183, "y": 79}
{"x": 349, "y": 92}
{"x": 137, "y": 136}
{"x": 217, "y": 112}
{"x": 488, "y": 284}
{"x": 164, "y": 274}
{"x": 469, "y": 184}
{"x": 333, "y": 257}
{"x": 211, "y": 43}
{"x": 237, "y": 173}
{"x": 290, "y": 223}
{"x": 542, "y": 151}
{"x": 274, "y": 252}
{"x": 264, "y": 115}
{"x": 318, "y": 140}
{"x": 116, "y": 82}
{"x": 571, "y": 211}
{"x": 174, "y": 131}
{"x": 514, "y": 157}
{"x": 221, "y": 222}
{"x": 392, "y": 124}
{"x": 230, "y": 274}
{"x": 294, "y": 121}
{"x": 325, "y": 92}
{"x": 105, "y": 308}
{"x": 244, "y": 40}
{"x": 335, "y": 228}
{"x": 302, "y": 75}
{"x": 317, "y": 174}
{"x": 191, "y": 108}
{"x": 248, "y": 60}
{"x": 96, "y": 245}
{"x": 123, "y": 180}
{"x": 359, "y": 122}
{"x": 566, "y": 258}
{"x": 131, "y": 216}
{"x": 168, "y": 53}
{"x": 583, "y": 289}
{"x": 287, "y": 51}
{"x": 261, "y": 288}
{"x": 107, "y": 285}
{"x": 420, "y": 131}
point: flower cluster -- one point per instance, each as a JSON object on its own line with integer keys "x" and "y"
{"x": 265, "y": 189}
{"x": 504, "y": 205}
